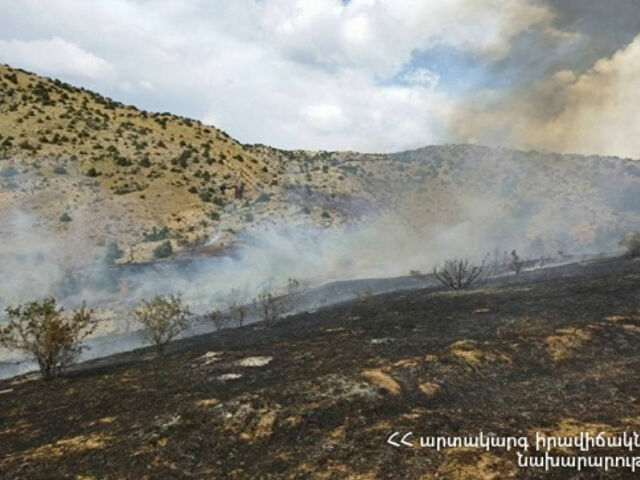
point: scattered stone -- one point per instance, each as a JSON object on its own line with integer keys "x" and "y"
{"x": 381, "y": 341}
{"x": 335, "y": 330}
{"x": 209, "y": 358}
{"x": 335, "y": 387}
{"x": 165, "y": 422}
{"x": 254, "y": 361}
{"x": 210, "y": 355}
{"x": 229, "y": 376}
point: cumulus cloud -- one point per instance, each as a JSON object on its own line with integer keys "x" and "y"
{"x": 55, "y": 56}
{"x": 328, "y": 74}
{"x": 291, "y": 73}
{"x": 595, "y": 112}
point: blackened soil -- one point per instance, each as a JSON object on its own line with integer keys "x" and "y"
{"x": 557, "y": 354}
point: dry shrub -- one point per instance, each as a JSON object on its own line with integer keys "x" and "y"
{"x": 632, "y": 243}
{"x": 459, "y": 274}
{"x": 236, "y": 310}
{"x": 218, "y": 319}
{"x": 42, "y": 330}
{"x": 163, "y": 318}
{"x": 272, "y": 306}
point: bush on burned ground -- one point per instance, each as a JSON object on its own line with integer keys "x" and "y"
{"x": 163, "y": 318}
{"x": 237, "y": 314}
{"x": 45, "y": 332}
{"x": 459, "y": 274}
{"x": 217, "y": 318}
{"x": 236, "y": 310}
{"x": 632, "y": 243}
{"x": 272, "y": 306}
{"x": 516, "y": 263}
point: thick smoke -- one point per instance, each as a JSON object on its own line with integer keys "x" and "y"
{"x": 385, "y": 244}
{"x": 590, "y": 112}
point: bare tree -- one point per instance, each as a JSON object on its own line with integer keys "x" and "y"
{"x": 632, "y": 243}
{"x": 163, "y": 318}
{"x": 237, "y": 314}
{"x": 218, "y": 319}
{"x": 292, "y": 293}
{"x": 365, "y": 297}
{"x": 268, "y": 306}
{"x": 459, "y": 274}
{"x": 516, "y": 263}
{"x": 272, "y": 306}
{"x": 237, "y": 311}
{"x": 42, "y": 330}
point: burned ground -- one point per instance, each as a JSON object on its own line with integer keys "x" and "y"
{"x": 317, "y": 395}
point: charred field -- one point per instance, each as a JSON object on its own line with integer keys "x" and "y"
{"x": 318, "y": 394}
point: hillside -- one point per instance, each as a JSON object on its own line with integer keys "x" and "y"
{"x": 84, "y": 165}
{"x": 317, "y": 395}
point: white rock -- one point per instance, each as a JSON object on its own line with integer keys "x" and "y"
{"x": 209, "y": 358}
{"x": 210, "y": 355}
{"x": 254, "y": 361}
{"x": 229, "y": 376}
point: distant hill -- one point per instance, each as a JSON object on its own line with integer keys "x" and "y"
{"x": 81, "y": 164}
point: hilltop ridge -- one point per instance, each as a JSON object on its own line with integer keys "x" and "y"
{"x": 76, "y": 161}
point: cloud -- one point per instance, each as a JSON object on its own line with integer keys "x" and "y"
{"x": 56, "y": 57}
{"x": 421, "y": 77}
{"x": 320, "y": 74}
{"x": 595, "y": 112}
{"x": 328, "y": 117}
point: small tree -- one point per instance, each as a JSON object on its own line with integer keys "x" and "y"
{"x": 272, "y": 306}
{"x": 236, "y": 310}
{"x": 163, "y": 318}
{"x": 458, "y": 274}
{"x": 237, "y": 314}
{"x": 42, "y": 330}
{"x": 217, "y": 318}
{"x": 516, "y": 263}
{"x": 163, "y": 250}
{"x": 632, "y": 244}
{"x": 268, "y": 306}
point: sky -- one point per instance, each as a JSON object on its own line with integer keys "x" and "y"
{"x": 366, "y": 75}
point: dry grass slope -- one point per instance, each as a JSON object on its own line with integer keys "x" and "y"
{"x": 81, "y": 162}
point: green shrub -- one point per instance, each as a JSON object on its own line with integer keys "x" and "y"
{"x": 51, "y": 338}
{"x": 163, "y": 318}
{"x": 205, "y": 196}
{"x": 156, "y": 235}
{"x": 163, "y": 250}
